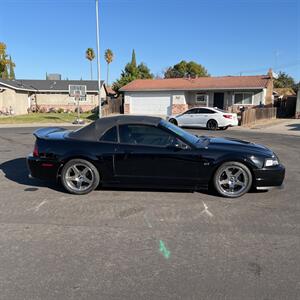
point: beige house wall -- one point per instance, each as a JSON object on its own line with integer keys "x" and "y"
{"x": 20, "y": 101}
{"x": 63, "y": 101}
{"x": 17, "y": 102}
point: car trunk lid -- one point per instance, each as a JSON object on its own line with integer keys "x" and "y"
{"x": 51, "y": 133}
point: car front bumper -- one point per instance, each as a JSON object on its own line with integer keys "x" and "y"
{"x": 269, "y": 177}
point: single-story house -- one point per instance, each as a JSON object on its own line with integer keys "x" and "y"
{"x": 20, "y": 96}
{"x": 172, "y": 96}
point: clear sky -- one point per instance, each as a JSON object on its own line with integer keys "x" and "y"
{"x": 226, "y": 36}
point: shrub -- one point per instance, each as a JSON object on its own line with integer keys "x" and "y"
{"x": 43, "y": 109}
{"x": 60, "y": 110}
{"x": 80, "y": 110}
{"x": 52, "y": 110}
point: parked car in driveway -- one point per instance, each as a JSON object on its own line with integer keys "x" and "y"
{"x": 206, "y": 117}
{"x": 137, "y": 151}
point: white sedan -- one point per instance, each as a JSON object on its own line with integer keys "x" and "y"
{"x": 207, "y": 117}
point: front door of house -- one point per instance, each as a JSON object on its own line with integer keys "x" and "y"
{"x": 219, "y": 100}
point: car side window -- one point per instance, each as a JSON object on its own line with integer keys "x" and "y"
{"x": 145, "y": 135}
{"x": 110, "y": 135}
{"x": 192, "y": 111}
{"x": 207, "y": 111}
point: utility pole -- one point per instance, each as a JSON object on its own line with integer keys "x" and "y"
{"x": 98, "y": 58}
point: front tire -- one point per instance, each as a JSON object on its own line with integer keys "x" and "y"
{"x": 212, "y": 124}
{"x": 232, "y": 179}
{"x": 79, "y": 177}
{"x": 224, "y": 128}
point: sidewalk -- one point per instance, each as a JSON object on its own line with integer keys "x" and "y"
{"x": 276, "y": 126}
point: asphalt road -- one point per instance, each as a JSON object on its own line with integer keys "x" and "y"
{"x": 116, "y": 244}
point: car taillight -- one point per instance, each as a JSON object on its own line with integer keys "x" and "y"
{"x": 227, "y": 116}
{"x": 35, "y": 150}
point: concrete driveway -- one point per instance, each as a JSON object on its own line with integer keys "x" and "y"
{"x": 116, "y": 244}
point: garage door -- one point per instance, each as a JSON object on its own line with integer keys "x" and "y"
{"x": 150, "y": 104}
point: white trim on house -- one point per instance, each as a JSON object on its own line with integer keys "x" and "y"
{"x": 265, "y": 95}
{"x": 41, "y": 91}
{"x": 61, "y": 91}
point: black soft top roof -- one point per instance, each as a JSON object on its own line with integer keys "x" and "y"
{"x": 95, "y": 130}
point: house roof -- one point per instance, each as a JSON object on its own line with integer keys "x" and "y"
{"x": 49, "y": 85}
{"x": 201, "y": 83}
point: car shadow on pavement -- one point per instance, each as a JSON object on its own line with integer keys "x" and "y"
{"x": 16, "y": 170}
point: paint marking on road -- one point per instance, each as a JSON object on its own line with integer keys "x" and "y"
{"x": 205, "y": 210}
{"x": 39, "y": 206}
{"x": 147, "y": 221}
{"x": 163, "y": 249}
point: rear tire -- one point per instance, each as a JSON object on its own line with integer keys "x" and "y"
{"x": 224, "y": 128}
{"x": 173, "y": 121}
{"x": 79, "y": 177}
{"x": 232, "y": 179}
{"x": 212, "y": 124}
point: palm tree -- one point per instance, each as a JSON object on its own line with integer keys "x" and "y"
{"x": 90, "y": 55}
{"x": 109, "y": 56}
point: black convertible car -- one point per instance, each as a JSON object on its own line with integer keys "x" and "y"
{"x": 137, "y": 151}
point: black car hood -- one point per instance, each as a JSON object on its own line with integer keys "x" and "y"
{"x": 236, "y": 144}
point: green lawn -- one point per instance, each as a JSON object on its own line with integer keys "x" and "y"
{"x": 46, "y": 118}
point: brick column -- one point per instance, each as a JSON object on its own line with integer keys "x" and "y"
{"x": 126, "y": 108}
{"x": 179, "y": 108}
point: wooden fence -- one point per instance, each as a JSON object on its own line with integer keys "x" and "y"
{"x": 251, "y": 116}
{"x": 114, "y": 106}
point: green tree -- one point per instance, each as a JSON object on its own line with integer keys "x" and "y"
{"x": 3, "y": 61}
{"x": 132, "y": 72}
{"x": 133, "y": 59}
{"x": 5, "y": 73}
{"x": 90, "y": 55}
{"x": 185, "y": 70}
{"x": 11, "y": 69}
{"x": 144, "y": 71}
{"x": 284, "y": 81}
{"x": 109, "y": 56}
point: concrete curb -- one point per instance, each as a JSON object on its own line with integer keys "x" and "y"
{"x": 41, "y": 125}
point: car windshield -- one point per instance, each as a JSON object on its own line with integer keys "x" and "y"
{"x": 191, "y": 138}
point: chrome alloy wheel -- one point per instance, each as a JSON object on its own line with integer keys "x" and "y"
{"x": 79, "y": 177}
{"x": 233, "y": 180}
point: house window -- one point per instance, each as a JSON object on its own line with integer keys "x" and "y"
{"x": 243, "y": 98}
{"x": 201, "y": 98}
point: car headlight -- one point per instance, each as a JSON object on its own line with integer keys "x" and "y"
{"x": 271, "y": 162}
